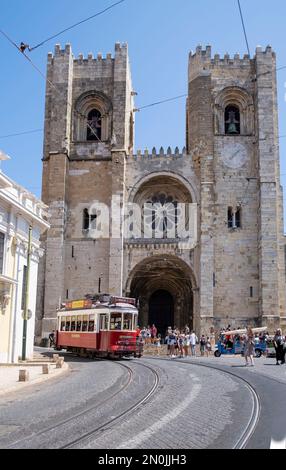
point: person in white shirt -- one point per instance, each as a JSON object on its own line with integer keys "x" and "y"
{"x": 193, "y": 342}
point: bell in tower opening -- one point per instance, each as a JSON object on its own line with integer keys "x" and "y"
{"x": 232, "y": 120}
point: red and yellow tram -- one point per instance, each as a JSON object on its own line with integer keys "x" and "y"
{"x": 106, "y": 328}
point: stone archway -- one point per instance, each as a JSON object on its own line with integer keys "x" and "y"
{"x": 173, "y": 277}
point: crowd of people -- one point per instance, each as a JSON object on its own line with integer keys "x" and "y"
{"x": 251, "y": 341}
{"x": 180, "y": 343}
{"x": 184, "y": 343}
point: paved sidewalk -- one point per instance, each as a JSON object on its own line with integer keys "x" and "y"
{"x": 9, "y": 376}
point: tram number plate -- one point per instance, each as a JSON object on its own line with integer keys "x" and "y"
{"x": 75, "y": 336}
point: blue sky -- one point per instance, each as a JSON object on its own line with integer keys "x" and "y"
{"x": 160, "y": 34}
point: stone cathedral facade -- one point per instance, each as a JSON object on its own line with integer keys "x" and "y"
{"x": 231, "y": 270}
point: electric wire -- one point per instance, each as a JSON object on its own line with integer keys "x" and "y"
{"x": 156, "y": 103}
{"x": 33, "y": 131}
{"x": 73, "y": 26}
{"x": 243, "y": 25}
{"x": 52, "y": 85}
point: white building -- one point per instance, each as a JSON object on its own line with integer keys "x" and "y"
{"x": 19, "y": 209}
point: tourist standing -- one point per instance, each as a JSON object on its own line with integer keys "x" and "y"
{"x": 157, "y": 342}
{"x": 172, "y": 343}
{"x": 153, "y": 331}
{"x": 208, "y": 347}
{"x": 187, "y": 345}
{"x": 193, "y": 343}
{"x": 203, "y": 343}
{"x": 249, "y": 347}
{"x": 279, "y": 344}
{"x": 181, "y": 340}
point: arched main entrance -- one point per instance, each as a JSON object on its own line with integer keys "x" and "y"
{"x": 161, "y": 310}
{"x": 164, "y": 286}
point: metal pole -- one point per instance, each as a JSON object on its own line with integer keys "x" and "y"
{"x": 26, "y": 308}
{"x": 99, "y": 285}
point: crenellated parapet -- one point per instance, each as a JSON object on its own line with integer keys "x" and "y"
{"x": 120, "y": 49}
{"x": 201, "y": 61}
{"x": 154, "y": 154}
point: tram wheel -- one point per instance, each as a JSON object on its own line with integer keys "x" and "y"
{"x": 217, "y": 354}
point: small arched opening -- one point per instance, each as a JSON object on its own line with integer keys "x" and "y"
{"x": 232, "y": 120}
{"x": 94, "y": 126}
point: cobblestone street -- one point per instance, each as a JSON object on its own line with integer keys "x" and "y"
{"x": 149, "y": 404}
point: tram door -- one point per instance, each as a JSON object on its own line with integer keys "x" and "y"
{"x": 161, "y": 311}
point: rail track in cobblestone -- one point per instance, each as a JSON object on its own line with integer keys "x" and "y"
{"x": 249, "y": 430}
{"x": 112, "y": 422}
{"x": 87, "y": 410}
{"x": 107, "y": 423}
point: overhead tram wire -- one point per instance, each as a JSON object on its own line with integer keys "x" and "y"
{"x": 160, "y": 102}
{"x": 52, "y": 85}
{"x": 243, "y": 25}
{"x": 31, "y": 49}
{"x": 34, "y": 131}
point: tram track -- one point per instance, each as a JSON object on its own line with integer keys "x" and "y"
{"x": 108, "y": 423}
{"x": 85, "y": 411}
{"x": 98, "y": 430}
{"x": 252, "y": 424}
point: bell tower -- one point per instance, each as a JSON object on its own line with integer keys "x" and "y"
{"x": 88, "y": 137}
{"x": 232, "y": 135}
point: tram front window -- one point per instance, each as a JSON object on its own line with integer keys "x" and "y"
{"x": 127, "y": 324}
{"x": 115, "y": 321}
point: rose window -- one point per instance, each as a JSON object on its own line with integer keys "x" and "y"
{"x": 161, "y": 214}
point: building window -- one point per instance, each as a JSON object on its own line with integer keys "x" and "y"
{"x": 232, "y": 120}
{"x": 2, "y": 244}
{"x": 251, "y": 292}
{"x": 238, "y": 218}
{"x": 94, "y": 125}
{"x": 234, "y": 218}
{"x": 85, "y": 219}
{"x": 230, "y": 217}
{"x": 89, "y": 220}
{"x": 24, "y": 287}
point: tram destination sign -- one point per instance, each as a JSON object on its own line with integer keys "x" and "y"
{"x": 123, "y": 300}
{"x": 78, "y": 304}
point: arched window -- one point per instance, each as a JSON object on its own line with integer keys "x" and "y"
{"x": 85, "y": 219}
{"x": 162, "y": 215}
{"x": 94, "y": 126}
{"x": 89, "y": 220}
{"x": 234, "y": 217}
{"x": 232, "y": 120}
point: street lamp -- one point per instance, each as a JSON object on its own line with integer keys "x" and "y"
{"x": 26, "y": 293}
